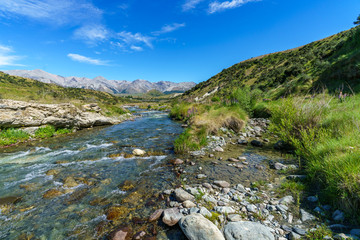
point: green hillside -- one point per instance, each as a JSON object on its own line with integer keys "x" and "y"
{"x": 332, "y": 63}
{"x": 24, "y": 89}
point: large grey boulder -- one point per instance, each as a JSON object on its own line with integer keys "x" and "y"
{"x": 197, "y": 227}
{"x": 171, "y": 216}
{"x": 247, "y": 231}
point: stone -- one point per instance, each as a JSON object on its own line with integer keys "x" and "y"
{"x": 177, "y": 161}
{"x": 240, "y": 188}
{"x": 342, "y": 236}
{"x": 222, "y": 184}
{"x": 256, "y": 143}
{"x": 312, "y": 199}
{"x": 286, "y": 200}
{"x": 218, "y": 149}
{"x": 197, "y": 227}
{"x": 299, "y": 231}
{"x": 251, "y": 208}
{"x": 282, "y": 208}
{"x": 52, "y": 172}
{"x": 139, "y": 235}
{"x": 138, "y": 152}
{"x": 188, "y": 204}
{"x": 171, "y": 216}
{"x": 194, "y": 210}
{"x": 224, "y": 210}
{"x": 156, "y": 215}
{"x": 242, "y": 142}
{"x": 120, "y": 235}
{"x": 247, "y": 230}
{"x": 280, "y": 166}
{"x": 205, "y": 212}
{"x": 234, "y": 217}
{"x": 305, "y": 216}
{"x": 201, "y": 176}
{"x": 52, "y": 193}
{"x": 233, "y": 160}
{"x": 294, "y": 236}
{"x": 338, "y": 216}
{"x": 286, "y": 228}
{"x": 338, "y": 227}
{"x": 207, "y": 185}
{"x": 70, "y": 182}
{"x": 181, "y": 195}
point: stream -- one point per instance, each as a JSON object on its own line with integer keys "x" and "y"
{"x": 65, "y": 187}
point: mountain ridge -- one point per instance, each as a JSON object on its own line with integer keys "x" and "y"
{"x": 102, "y": 84}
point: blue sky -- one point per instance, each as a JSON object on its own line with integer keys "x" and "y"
{"x": 160, "y": 40}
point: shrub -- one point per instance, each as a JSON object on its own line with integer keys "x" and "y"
{"x": 45, "y": 132}
{"x": 11, "y": 136}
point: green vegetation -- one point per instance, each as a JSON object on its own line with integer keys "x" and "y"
{"x": 12, "y": 136}
{"x": 319, "y": 233}
{"x": 325, "y": 130}
{"x": 332, "y": 64}
{"x": 24, "y": 89}
{"x": 45, "y": 132}
{"x": 214, "y": 217}
{"x": 357, "y": 22}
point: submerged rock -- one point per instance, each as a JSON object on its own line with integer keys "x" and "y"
{"x": 248, "y": 231}
{"x": 197, "y": 227}
{"x": 52, "y": 193}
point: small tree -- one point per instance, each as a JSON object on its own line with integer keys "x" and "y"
{"x": 357, "y": 22}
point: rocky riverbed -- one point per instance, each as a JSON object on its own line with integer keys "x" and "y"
{"x": 206, "y": 206}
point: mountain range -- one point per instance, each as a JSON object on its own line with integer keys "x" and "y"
{"x": 102, "y": 84}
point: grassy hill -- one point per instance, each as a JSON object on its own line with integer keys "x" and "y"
{"x": 332, "y": 63}
{"x": 25, "y": 89}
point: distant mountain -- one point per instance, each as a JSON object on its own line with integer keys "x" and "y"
{"x": 102, "y": 84}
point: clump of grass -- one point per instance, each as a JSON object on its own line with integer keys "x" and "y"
{"x": 61, "y": 131}
{"x": 190, "y": 140}
{"x": 12, "y": 136}
{"x": 199, "y": 195}
{"x": 45, "y": 132}
{"x": 325, "y": 133}
{"x": 214, "y": 217}
{"x": 319, "y": 233}
{"x": 294, "y": 188}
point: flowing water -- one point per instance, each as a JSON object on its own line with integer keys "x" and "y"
{"x": 86, "y": 159}
{"x": 81, "y": 186}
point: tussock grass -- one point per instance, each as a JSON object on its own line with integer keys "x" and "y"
{"x": 12, "y": 136}
{"x": 325, "y": 132}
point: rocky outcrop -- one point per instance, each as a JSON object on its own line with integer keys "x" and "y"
{"x": 27, "y": 114}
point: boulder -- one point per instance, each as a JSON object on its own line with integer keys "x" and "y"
{"x": 181, "y": 195}
{"x": 256, "y": 143}
{"x": 171, "y": 216}
{"x": 188, "y": 204}
{"x": 305, "y": 216}
{"x": 197, "y": 227}
{"x": 247, "y": 230}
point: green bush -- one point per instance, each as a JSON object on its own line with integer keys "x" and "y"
{"x": 45, "y": 132}
{"x": 61, "y": 131}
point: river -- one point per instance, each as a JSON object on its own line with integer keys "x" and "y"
{"x": 89, "y": 164}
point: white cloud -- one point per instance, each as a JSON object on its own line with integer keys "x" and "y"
{"x": 190, "y": 4}
{"x": 221, "y": 6}
{"x": 83, "y": 59}
{"x": 6, "y": 58}
{"x": 135, "y": 38}
{"x": 136, "y": 48}
{"x": 92, "y": 33}
{"x": 169, "y": 28}
{"x": 60, "y": 12}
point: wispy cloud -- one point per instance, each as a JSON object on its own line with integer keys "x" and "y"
{"x": 136, "y": 48}
{"x": 129, "y": 39}
{"x": 83, "y": 59}
{"x": 92, "y": 33}
{"x": 53, "y": 11}
{"x": 190, "y": 4}
{"x": 6, "y": 57}
{"x": 169, "y": 28}
{"x": 221, "y": 6}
